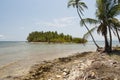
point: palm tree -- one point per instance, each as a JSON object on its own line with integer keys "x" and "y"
{"x": 79, "y": 5}
{"x": 111, "y": 9}
{"x": 106, "y": 12}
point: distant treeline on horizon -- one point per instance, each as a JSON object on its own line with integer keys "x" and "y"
{"x": 53, "y": 37}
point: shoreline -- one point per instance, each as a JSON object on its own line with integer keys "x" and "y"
{"x": 22, "y": 67}
{"x": 72, "y": 67}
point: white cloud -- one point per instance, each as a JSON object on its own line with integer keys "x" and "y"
{"x": 60, "y": 22}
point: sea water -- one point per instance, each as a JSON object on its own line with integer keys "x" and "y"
{"x": 16, "y": 58}
{"x": 11, "y": 51}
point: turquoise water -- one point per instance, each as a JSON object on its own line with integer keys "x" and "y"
{"x": 11, "y": 51}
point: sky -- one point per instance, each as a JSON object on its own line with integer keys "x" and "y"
{"x": 18, "y": 18}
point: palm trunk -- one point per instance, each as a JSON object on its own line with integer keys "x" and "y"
{"x": 106, "y": 44}
{"x": 110, "y": 47}
{"x": 87, "y": 29}
{"x": 117, "y": 34}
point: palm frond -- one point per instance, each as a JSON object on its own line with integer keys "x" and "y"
{"x": 88, "y": 20}
{"x": 71, "y": 3}
{"x": 101, "y": 9}
{"x": 113, "y": 30}
{"x": 80, "y": 11}
{"x": 83, "y": 5}
{"x": 115, "y": 22}
{"x": 86, "y": 35}
{"x": 77, "y": 3}
{"x": 115, "y": 11}
{"x": 102, "y": 29}
{"x": 99, "y": 28}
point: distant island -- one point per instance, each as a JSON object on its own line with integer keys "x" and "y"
{"x": 53, "y": 37}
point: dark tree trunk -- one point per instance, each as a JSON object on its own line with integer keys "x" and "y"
{"x": 106, "y": 44}
{"x": 110, "y": 47}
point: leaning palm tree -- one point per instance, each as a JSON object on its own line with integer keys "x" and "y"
{"x": 79, "y": 5}
{"x": 106, "y": 13}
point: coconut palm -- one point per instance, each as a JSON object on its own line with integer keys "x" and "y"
{"x": 106, "y": 13}
{"x": 79, "y": 5}
{"x": 110, "y": 10}
{"x": 113, "y": 9}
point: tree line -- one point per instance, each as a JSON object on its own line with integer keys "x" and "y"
{"x": 53, "y": 37}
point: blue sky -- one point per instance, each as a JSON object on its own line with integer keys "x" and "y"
{"x": 20, "y": 17}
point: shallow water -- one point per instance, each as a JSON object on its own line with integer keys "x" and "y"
{"x": 11, "y": 51}
{"x": 16, "y": 58}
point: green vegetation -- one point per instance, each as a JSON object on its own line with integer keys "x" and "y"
{"x": 53, "y": 37}
{"x": 80, "y": 6}
{"x": 106, "y": 22}
{"x": 106, "y": 13}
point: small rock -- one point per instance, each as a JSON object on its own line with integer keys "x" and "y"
{"x": 65, "y": 70}
{"x": 77, "y": 61}
{"x": 92, "y": 75}
{"x": 115, "y": 79}
{"x": 58, "y": 76}
{"x": 9, "y": 77}
{"x": 114, "y": 62}
{"x": 64, "y": 73}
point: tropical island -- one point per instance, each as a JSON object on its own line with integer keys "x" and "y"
{"x": 53, "y": 37}
{"x": 103, "y": 64}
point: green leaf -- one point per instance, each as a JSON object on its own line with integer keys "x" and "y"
{"x": 86, "y": 35}
{"x": 88, "y": 20}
